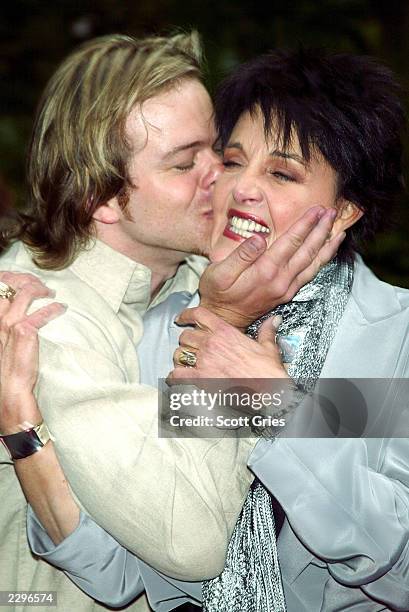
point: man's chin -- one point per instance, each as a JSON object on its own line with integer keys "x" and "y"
{"x": 199, "y": 245}
{"x": 200, "y": 250}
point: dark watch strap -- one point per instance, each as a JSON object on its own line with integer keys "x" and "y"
{"x": 25, "y": 443}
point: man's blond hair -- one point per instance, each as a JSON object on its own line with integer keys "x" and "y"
{"x": 78, "y": 154}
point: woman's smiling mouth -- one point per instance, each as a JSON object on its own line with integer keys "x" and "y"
{"x": 243, "y": 225}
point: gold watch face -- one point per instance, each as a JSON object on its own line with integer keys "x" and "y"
{"x": 43, "y": 433}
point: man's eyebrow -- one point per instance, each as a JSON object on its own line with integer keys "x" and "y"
{"x": 285, "y": 155}
{"x": 183, "y": 147}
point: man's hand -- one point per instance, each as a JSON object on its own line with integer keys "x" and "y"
{"x": 253, "y": 280}
{"x": 224, "y": 352}
{"x": 19, "y": 349}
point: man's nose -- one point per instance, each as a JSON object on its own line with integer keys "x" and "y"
{"x": 214, "y": 170}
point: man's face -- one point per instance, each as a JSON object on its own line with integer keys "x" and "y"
{"x": 172, "y": 170}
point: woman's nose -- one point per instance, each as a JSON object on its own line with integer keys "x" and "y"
{"x": 246, "y": 190}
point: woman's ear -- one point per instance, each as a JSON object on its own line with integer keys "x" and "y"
{"x": 348, "y": 214}
{"x": 107, "y": 213}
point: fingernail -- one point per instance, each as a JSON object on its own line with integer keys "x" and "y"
{"x": 276, "y": 321}
{"x": 320, "y": 212}
{"x": 332, "y": 213}
{"x": 65, "y": 306}
{"x": 255, "y": 243}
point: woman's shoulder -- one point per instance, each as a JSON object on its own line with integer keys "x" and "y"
{"x": 377, "y": 299}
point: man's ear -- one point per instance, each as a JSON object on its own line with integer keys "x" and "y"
{"x": 107, "y": 213}
{"x": 348, "y": 214}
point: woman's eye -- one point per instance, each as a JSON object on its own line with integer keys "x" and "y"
{"x": 282, "y": 176}
{"x": 230, "y": 164}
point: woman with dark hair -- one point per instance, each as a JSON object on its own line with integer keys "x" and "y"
{"x": 299, "y": 129}
{"x": 342, "y": 111}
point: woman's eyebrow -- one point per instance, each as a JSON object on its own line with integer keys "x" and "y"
{"x": 286, "y": 155}
{"x": 234, "y": 145}
{"x": 275, "y": 153}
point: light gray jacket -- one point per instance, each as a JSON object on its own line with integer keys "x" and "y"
{"x": 345, "y": 541}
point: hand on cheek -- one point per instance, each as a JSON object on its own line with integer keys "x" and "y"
{"x": 252, "y": 279}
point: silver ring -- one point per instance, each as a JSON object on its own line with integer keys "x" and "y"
{"x": 6, "y": 292}
{"x": 187, "y": 358}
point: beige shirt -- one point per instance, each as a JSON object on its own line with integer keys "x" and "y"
{"x": 173, "y": 502}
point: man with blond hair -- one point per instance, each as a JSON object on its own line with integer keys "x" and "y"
{"x": 121, "y": 173}
{"x": 92, "y": 174}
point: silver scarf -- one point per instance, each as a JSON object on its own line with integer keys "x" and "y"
{"x": 251, "y": 579}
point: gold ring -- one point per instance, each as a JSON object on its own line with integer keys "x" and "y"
{"x": 187, "y": 358}
{"x": 6, "y": 292}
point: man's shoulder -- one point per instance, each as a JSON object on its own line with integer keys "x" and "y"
{"x": 68, "y": 287}
{"x": 18, "y": 258}
{"x": 89, "y": 321}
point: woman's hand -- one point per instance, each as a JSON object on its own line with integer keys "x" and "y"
{"x": 40, "y": 474}
{"x": 19, "y": 350}
{"x": 222, "y": 351}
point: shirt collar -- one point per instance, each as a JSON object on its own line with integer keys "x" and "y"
{"x": 114, "y": 276}
{"x": 186, "y": 278}
{"x": 119, "y": 279}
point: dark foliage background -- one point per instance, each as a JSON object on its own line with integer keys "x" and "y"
{"x": 35, "y": 35}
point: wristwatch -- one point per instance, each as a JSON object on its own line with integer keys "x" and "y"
{"x": 25, "y": 443}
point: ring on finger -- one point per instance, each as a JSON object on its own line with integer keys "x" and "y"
{"x": 187, "y": 358}
{"x": 6, "y": 291}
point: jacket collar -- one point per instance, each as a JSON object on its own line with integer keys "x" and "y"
{"x": 375, "y": 299}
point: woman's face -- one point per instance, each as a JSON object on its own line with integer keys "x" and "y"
{"x": 266, "y": 189}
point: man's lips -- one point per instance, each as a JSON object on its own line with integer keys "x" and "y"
{"x": 245, "y": 215}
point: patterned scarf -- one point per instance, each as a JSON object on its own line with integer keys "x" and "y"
{"x": 251, "y": 579}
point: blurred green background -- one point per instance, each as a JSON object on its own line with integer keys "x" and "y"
{"x": 35, "y": 35}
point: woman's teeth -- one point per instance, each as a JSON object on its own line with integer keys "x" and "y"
{"x": 246, "y": 227}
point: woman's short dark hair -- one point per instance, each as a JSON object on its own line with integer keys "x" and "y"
{"x": 346, "y": 106}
